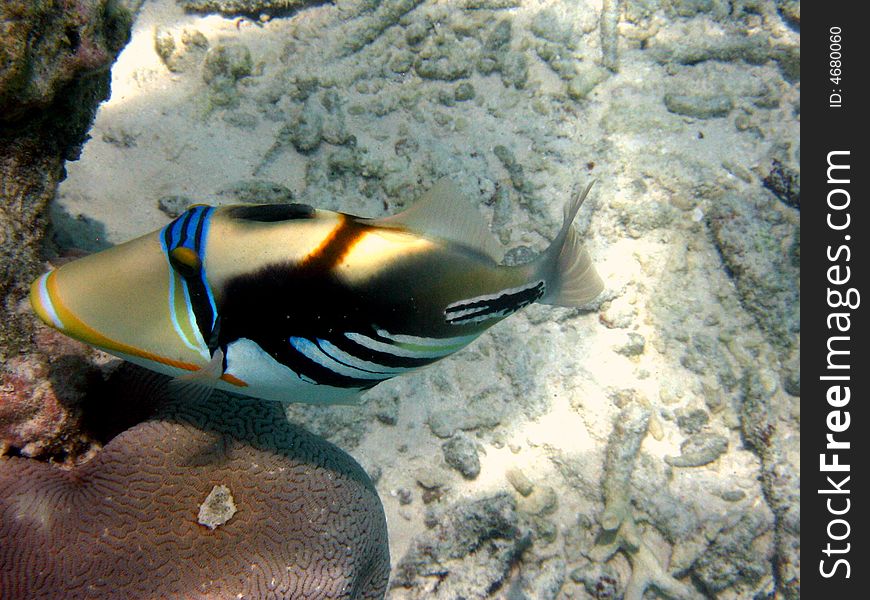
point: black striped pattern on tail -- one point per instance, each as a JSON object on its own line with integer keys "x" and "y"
{"x": 493, "y": 306}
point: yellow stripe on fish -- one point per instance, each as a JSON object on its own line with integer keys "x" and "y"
{"x": 291, "y": 303}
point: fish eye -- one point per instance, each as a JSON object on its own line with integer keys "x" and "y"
{"x": 186, "y": 261}
{"x": 271, "y": 213}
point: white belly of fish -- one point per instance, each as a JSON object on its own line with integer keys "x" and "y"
{"x": 270, "y": 380}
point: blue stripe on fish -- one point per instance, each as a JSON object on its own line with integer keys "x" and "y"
{"x": 197, "y": 345}
{"x": 356, "y": 362}
{"x": 377, "y": 351}
{"x": 190, "y": 231}
{"x": 366, "y": 359}
{"x": 389, "y": 348}
{"x": 455, "y": 343}
{"x": 201, "y": 237}
{"x": 314, "y": 352}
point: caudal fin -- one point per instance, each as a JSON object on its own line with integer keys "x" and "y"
{"x": 566, "y": 266}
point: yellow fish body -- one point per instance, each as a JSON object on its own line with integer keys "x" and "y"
{"x": 291, "y": 303}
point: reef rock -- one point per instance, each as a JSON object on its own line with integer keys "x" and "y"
{"x": 41, "y": 396}
{"x": 244, "y": 7}
{"x": 760, "y": 244}
{"x": 468, "y": 553}
{"x": 54, "y": 60}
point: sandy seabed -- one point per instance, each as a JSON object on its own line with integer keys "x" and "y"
{"x": 648, "y": 441}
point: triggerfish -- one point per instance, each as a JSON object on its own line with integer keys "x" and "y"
{"x": 291, "y": 303}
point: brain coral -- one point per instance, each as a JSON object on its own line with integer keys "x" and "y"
{"x": 287, "y": 514}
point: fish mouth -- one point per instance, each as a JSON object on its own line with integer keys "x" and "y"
{"x": 48, "y": 306}
{"x": 43, "y": 305}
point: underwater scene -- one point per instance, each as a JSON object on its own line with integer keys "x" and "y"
{"x": 400, "y": 299}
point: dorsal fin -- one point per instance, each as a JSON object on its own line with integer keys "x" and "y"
{"x": 443, "y": 213}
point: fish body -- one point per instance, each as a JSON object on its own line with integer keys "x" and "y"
{"x": 292, "y": 303}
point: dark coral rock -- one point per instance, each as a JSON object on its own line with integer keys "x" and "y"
{"x": 307, "y": 520}
{"x": 734, "y": 559}
{"x": 755, "y": 241}
{"x": 698, "y": 106}
{"x": 471, "y": 547}
{"x": 230, "y": 61}
{"x": 54, "y": 71}
{"x": 251, "y": 8}
{"x": 173, "y": 205}
{"x": 461, "y": 454}
{"x": 790, "y": 10}
{"x": 41, "y": 396}
{"x": 692, "y": 421}
{"x": 46, "y": 45}
{"x": 699, "y": 450}
{"x": 785, "y": 183}
{"x": 257, "y": 191}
